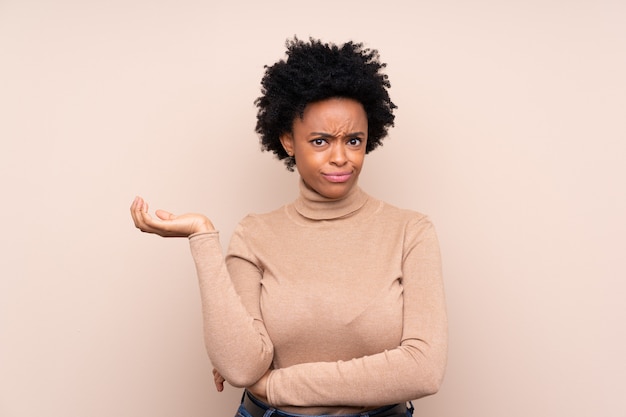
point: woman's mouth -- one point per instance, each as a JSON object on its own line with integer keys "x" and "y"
{"x": 338, "y": 176}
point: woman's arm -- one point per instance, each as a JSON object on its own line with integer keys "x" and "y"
{"x": 236, "y": 340}
{"x": 236, "y": 343}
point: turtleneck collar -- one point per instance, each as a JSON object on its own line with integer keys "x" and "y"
{"x": 315, "y": 206}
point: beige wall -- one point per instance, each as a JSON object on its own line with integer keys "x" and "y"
{"x": 510, "y": 134}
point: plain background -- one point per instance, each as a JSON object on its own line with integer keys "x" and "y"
{"x": 510, "y": 134}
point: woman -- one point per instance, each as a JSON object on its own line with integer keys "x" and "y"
{"x": 333, "y": 304}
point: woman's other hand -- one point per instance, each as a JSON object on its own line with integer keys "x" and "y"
{"x": 167, "y": 224}
{"x": 219, "y": 380}
{"x": 259, "y": 389}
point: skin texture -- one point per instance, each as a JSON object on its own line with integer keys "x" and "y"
{"x": 328, "y": 143}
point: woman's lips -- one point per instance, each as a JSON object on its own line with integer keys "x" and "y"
{"x": 338, "y": 176}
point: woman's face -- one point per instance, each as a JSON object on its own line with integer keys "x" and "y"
{"x": 328, "y": 143}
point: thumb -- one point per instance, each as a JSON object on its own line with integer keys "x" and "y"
{"x": 164, "y": 215}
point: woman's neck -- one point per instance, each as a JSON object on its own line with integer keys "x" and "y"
{"x": 313, "y": 205}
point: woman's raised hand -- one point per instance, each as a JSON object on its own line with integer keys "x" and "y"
{"x": 167, "y": 224}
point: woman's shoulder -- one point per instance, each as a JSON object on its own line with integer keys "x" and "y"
{"x": 404, "y": 215}
{"x": 255, "y": 220}
{"x": 414, "y": 226}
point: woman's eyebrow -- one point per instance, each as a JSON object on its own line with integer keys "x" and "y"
{"x": 328, "y": 135}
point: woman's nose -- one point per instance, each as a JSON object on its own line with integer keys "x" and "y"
{"x": 338, "y": 154}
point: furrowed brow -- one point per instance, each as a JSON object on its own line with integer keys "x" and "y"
{"x": 328, "y": 135}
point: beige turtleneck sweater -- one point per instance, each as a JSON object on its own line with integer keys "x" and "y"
{"x": 342, "y": 298}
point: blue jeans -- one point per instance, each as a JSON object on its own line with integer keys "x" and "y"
{"x": 259, "y": 409}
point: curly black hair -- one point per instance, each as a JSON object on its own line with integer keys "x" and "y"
{"x": 316, "y": 71}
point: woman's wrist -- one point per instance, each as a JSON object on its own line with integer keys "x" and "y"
{"x": 204, "y": 227}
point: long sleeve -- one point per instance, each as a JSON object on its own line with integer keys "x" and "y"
{"x": 412, "y": 370}
{"x": 343, "y": 301}
{"x": 237, "y": 345}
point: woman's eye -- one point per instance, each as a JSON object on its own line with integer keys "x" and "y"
{"x": 354, "y": 141}
{"x": 318, "y": 142}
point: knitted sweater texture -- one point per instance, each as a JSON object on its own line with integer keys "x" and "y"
{"x": 343, "y": 299}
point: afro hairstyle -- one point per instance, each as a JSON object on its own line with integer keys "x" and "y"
{"x": 315, "y": 71}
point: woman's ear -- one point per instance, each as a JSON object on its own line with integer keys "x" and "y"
{"x": 287, "y": 140}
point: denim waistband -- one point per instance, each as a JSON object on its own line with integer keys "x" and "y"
{"x": 257, "y": 408}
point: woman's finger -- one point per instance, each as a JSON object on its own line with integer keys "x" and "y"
{"x": 219, "y": 380}
{"x": 137, "y": 213}
{"x": 164, "y": 215}
{"x": 142, "y": 219}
